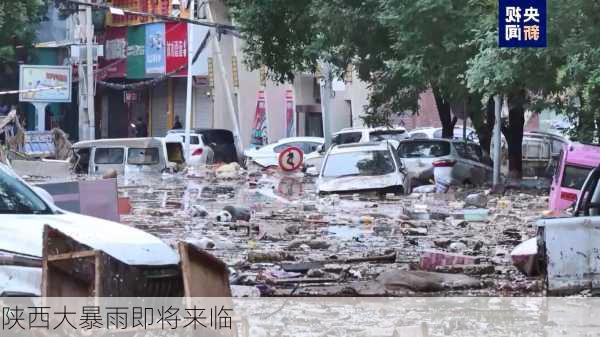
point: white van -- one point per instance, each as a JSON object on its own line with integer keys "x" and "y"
{"x": 127, "y": 155}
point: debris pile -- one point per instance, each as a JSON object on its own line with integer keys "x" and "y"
{"x": 280, "y": 239}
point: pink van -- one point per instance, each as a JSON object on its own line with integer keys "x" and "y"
{"x": 575, "y": 163}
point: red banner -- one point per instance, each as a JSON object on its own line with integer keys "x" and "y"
{"x": 177, "y": 47}
{"x": 260, "y": 126}
{"x": 114, "y": 64}
{"x": 290, "y": 117}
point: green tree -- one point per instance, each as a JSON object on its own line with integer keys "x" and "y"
{"x": 528, "y": 77}
{"x": 18, "y": 20}
{"x": 400, "y": 47}
{"x": 579, "y": 75}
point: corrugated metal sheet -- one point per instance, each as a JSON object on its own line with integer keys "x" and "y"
{"x": 202, "y": 107}
{"x": 159, "y": 109}
{"x": 180, "y": 91}
{"x": 572, "y": 250}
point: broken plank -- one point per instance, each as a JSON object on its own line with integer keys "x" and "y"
{"x": 301, "y": 267}
{"x": 73, "y": 255}
{"x": 390, "y": 258}
{"x": 303, "y": 280}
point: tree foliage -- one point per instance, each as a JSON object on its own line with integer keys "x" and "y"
{"x": 403, "y": 47}
{"x": 18, "y": 20}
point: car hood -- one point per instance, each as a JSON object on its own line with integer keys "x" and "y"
{"x": 357, "y": 183}
{"x": 24, "y": 234}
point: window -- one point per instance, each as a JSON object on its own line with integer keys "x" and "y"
{"x": 347, "y": 138}
{"x": 282, "y": 147}
{"x": 306, "y": 147}
{"x": 461, "y": 149}
{"x": 469, "y": 151}
{"x": 475, "y": 152}
{"x": 363, "y": 163}
{"x": 147, "y": 156}
{"x": 535, "y": 149}
{"x": 558, "y": 165}
{"x": 194, "y": 140}
{"x": 111, "y": 155}
{"x": 424, "y": 149}
{"x": 574, "y": 176}
{"x": 557, "y": 147}
{"x": 419, "y": 135}
{"x": 17, "y": 198}
{"x": 379, "y": 136}
{"x": 311, "y": 147}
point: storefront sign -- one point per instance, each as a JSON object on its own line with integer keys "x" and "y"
{"x": 136, "y": 59}
{"x": 155, "y": 49}
{"x": 114, "y": 64}
{"x": 45, "y": 84}
{"x": 177, "y": 47}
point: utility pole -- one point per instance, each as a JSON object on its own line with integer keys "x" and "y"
{"x": 223, "y": 75}
{"x": 188, "y": 102}
{"x": 236, "y": 88}
{"x": 87, "y": 122}
{"x": 90, "y": 73}
{"x": 497, "y": 141}
{"x": 326, "y": 91}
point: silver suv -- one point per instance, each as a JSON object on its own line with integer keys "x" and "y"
{"x": 458, "y": 162}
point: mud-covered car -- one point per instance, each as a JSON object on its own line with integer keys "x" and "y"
{"x": 362, "y": 167}
{"x": 451, "y": 162}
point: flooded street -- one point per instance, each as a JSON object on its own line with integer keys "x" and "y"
{"x": 299, "y": 244}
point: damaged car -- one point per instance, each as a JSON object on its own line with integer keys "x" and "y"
{"x": 468, "y": 166}
{"x": 362, "y": 167}
{"x": 98, "y": 157}
{"x": 452, "y": 162}
{"x": 200, "y": 153}
{"x": 25, "y": 210}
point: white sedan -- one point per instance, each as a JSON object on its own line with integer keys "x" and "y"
{"x": 268, "y": 155}
{"x": 362, "y": 167}
{"x": 24, "y": 210}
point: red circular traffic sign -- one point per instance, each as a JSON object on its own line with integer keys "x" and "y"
{"x": 291, "y": 159}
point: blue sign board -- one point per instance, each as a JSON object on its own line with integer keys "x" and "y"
{"x": 522, "y": 23}
{"x": 155, "y": 49}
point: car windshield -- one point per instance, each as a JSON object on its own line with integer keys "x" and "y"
{"x": 359, "y": 163}
{"x": 17, "y": 198}
{"x": 424, "y": 149}
{"x": 574, "y": 176}
{"x": 347, "y": 138}
{"x": 379, "y": 136}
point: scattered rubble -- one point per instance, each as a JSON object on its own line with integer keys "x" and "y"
{"x": 289, "y": 242}
{"x": 478, "y": 200}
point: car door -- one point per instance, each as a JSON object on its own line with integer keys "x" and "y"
{"x": 482, "y": 171}
{"x": 462, "y": 169}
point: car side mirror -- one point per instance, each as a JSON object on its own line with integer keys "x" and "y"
{"x": 321, "y": 148}
{"x": 42, "y": 193}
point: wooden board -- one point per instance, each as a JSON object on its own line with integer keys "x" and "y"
{"x": 203, "y": 274}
